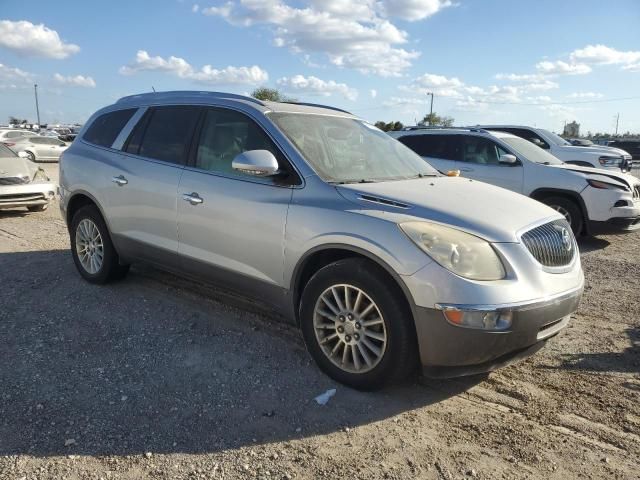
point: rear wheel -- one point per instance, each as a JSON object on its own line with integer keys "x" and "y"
{"x": 356, "y": 326}
{"x": 93, "y": 253}
{"x": 569, "y": 210}
{"x": 31, "y": 156}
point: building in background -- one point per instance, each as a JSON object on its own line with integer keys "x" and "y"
{"x": 571, "y": 130}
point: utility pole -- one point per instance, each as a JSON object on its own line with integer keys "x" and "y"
{"x": 35, "y": 89}
{"x": 617, "y": 121}
{"x": 431, "y": 109}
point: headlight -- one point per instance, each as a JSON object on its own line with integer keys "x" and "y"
{"x": 461, "y": 253}
{"x": 609, "y": 161}
{"x": 40, "y": 176}
{"x": 605, "y": 186}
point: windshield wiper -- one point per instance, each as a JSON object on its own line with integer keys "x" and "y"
{"x": 342, "y": 182}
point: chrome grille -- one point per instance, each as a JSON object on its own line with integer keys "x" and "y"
{"x": 551, "y": 244}
{"x": 13, "y": 180}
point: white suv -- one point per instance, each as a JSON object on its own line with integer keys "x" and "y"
{"x": 592, "y": 200}
{"x": 596, "y": 156}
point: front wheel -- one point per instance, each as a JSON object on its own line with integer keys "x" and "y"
{"x": 31, "y": 156}
{"x": 93, "y": 253}
{"x": 356, "y": 325}
{"x": 569, "y": 210}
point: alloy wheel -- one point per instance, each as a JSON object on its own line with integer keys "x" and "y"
{"x": 89, "y": 246}
{"x": 349, "y": 328}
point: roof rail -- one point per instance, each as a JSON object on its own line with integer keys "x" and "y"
{"x": 187, "y": 93}
{"x": 436, "y": 127}
{"x": 318, "y": 105}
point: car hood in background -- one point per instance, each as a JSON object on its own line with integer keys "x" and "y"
{"x": 17, "y": 167}
{"x": 595, "y": 149}
{"x": 490, "y": 212}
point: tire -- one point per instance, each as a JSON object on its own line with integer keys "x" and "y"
{"x": 84, "y": 225}
{"x": 38, "y": 208}
{"x": 31, "y": 156}
{"x": 569, "y": 209}
{"x": 396, "y": 356}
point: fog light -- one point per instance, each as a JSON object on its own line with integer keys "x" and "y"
{"x": 52, "y": 194}
{"x": 494, "y": 320}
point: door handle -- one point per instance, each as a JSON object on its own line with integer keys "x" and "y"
{"x": 192, "y": 198}
{"x": 120, "y": 180}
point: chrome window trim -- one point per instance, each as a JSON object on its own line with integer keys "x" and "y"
{"x": 118, "y": 143}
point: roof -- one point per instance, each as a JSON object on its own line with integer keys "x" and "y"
{"x": 447, "y": 130}
{"x": 207, "y": 97}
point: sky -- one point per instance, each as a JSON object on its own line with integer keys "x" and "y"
{"x": 539, "y": 63}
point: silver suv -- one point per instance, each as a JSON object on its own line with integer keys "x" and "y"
{"x": 382, "y": 262}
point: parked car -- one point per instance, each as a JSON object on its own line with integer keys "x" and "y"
{"x": 382, "y": 262}
{"x": 23, "y": 183}
{"x": 39, "y": 148}
{"x": 595, "y": 156}
{"x": 9, "y": 136}
{"x": 592, "y": 200}
{"x": 631, "y": 146}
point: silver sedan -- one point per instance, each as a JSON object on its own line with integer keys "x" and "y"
{"x": 39, "y": 148}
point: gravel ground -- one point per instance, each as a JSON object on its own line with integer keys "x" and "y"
{"x": 159, "y": 377}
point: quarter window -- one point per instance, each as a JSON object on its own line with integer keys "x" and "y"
{"x": 167, "y": 134}
{"x": 104, "y": 129}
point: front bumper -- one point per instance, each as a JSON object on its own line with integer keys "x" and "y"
{"x": 447, "y": 350}
{"x": 27, "y": 195}
{"x": 615, "y": 225}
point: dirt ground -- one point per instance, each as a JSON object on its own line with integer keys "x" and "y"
{"x": 159, "y": 377}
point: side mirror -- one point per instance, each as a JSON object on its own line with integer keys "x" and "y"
{"x": 508, "y": 159}
{"x": 23, "y": 154}
{"x": 260, "y": 163}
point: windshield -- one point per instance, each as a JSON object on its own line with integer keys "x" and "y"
{"x": 6, "y": 152}
{"x": 557, "y": 139}
{"x": 530, "y": 151}
{"x": 346, "y": 150}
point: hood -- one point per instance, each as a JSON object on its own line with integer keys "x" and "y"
{"x": 594, "y": 149}
{"x": 605, "y": 175}
{"x": 484, "y": 210}
{"x": 17, "y": 167}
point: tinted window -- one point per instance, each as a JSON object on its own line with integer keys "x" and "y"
{"x": 168, "y": 133}
{"x": 16, "y": 134}
{"x": 224, "y": 135}
{"x": 46, "y": 140}
{"x": 435, "y": 146}
{"x": 530, "y": 135}
{"x": 481, "y": 151}
{"x": 104, "y": 130}
{"x": 37, "y": 140}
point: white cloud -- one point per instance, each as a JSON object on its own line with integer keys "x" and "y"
{"x": 585, "y": 95}
{"x": 13, "y": 74}
{"x": 514, "y": 77}
{"x": 25, "y": 38}
{"x": 195, "y": 8}
{"x": 603, "y": 55}
{"x": 352, "y": 34}
{"x": 413, "y": 10}
{"x": 207, "y": 75}
{"x": 373, "y": 92}
{"x": 562, "y": 68}
{"x": 315, "y": 86}
{"x": 633, "y": 67}
{"x": 77, "y": 80}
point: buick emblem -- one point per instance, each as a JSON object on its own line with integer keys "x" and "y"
{"x": 566, "y": 239}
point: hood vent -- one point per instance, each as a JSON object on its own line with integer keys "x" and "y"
{"x": 383, "y": 201}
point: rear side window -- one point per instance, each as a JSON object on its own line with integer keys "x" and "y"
{"x": 530, "y": 135}
{"x": 104, "y": 129}
{"x": 445, "y": 147}
{"x": 167, "y": 133}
